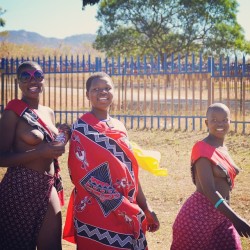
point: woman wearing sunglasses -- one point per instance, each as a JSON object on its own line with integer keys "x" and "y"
{"x": 31, "y": 190}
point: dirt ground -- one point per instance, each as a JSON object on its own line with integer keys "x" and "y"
{"x": 167, "y": 194}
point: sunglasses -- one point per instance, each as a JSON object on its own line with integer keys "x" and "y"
{"x": 27, "y": 75}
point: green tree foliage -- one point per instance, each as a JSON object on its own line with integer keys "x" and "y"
{"x": 90, "y": 2}
{"x": 2, "y": 21}
{"x": 137, "y": 27}
{"x": 2, "y": 33}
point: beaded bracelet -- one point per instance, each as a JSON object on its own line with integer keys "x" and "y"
{"x": 218, "y": 202}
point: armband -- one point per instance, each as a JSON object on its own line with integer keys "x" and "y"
{"x": 218, "y": 202}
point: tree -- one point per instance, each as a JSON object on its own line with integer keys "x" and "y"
{"x": 3, "y": 34}
{"x": 90, "y": 2}
{"x": 137, "y": 27}
{"x": 2, "y": 21}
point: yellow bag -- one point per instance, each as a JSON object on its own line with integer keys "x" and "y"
{"x": 148, "y": 160}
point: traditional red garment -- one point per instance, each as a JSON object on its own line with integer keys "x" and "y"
{"x": 102, "y": 212}
{"x": 25, "y": 193}
{"x": 199, "y": 225}
{"x": 31, "y": 117}
{"x": 217, "y": 157}
{"x": 24, "y": 199}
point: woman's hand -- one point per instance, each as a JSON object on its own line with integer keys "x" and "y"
{"x": 51, "y": 150}
{"x": 152, "y": 220}
{"x": 65, "y": 128}
{"x": 242, "y": 227}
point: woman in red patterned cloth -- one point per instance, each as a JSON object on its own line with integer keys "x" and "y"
{"x": 206, "y": 221}
{"x": 30, "y": 211}
{"x": 107, "y": 208}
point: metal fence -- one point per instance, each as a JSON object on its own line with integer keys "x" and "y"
{"x": 162, "y": 93}
{"x": 147, "y": 65}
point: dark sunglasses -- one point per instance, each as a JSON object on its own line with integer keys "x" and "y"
{"x": 27, "y": 75}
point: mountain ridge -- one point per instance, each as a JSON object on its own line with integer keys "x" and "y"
{"x": 33, "y": 38}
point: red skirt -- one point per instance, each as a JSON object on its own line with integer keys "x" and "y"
{"x": 24, "y": 199}
{"x": 200, "y": 226}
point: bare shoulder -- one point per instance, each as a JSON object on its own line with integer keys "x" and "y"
{"x": 46, "y": 114}
{"x": 47, "y": 110}
{"x": 9, "y": 117}
{"x": 119, "y": 125}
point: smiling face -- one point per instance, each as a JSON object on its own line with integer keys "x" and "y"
{"x": 100, "y": 93}
{"x": 218, "y": 120}
{"x": 30, "y": 80}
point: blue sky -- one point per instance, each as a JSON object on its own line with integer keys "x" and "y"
{"x": 62, "y": 18}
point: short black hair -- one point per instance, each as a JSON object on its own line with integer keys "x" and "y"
{"x": 27, "y": 64}
{"x": 94, "y": 76}
{"x": 217, "y": 105}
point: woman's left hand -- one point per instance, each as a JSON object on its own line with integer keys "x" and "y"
{"x": 65, "y": 128}
{"x": 152, "y": 220}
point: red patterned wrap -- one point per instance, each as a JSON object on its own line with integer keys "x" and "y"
{"x": 32, "y": 118}
{"x": 217, "y": 157}
{"x": 24, "y": 199}
{"x": 102, "y": 212}
{"x": 25, "y": 193}
{"x": 199, "y": 225}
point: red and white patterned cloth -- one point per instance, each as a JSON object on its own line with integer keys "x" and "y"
{"x": 25, "y": 193}
{"x": 32, "y": 118}
{"x": 103, "y": 212}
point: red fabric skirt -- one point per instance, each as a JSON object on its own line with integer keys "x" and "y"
{"x": 24, "y": 199}
{"x": 200, "y": 226}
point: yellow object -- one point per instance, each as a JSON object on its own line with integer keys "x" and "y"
{"x": 148, "y": 160}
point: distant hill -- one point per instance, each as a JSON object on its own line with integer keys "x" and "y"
{"x": 26, "y": 37}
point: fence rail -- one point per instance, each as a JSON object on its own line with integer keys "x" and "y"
{"x": 147, "y": 65}
{"x": 184, "y": 123}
